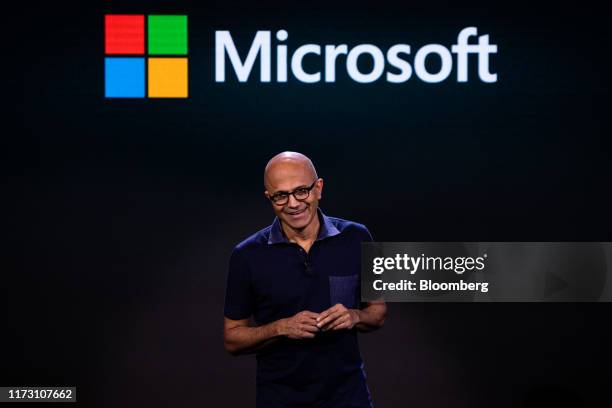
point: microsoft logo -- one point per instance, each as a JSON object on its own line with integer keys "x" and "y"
{"x": 135, "y": 68}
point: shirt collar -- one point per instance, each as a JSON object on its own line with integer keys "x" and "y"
{"x": 326, "y": 229}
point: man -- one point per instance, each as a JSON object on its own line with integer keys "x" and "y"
{"x": 298, "y": 279}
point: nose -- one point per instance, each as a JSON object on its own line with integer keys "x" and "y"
{"x": 293, "y": 202}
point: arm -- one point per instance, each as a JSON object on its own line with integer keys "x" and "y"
{"x": 240, "y": 338}
{"x": 371, "y": 317}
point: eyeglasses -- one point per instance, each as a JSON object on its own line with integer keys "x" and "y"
{"x": 300, "y": 194}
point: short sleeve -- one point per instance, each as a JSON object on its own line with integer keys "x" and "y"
{"x": 365, "y": 234}
{"x": 238, "y": 292}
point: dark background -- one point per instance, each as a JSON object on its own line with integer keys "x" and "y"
{"x": 122, "y": 213}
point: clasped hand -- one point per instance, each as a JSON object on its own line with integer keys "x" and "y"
{"x": 305, "y": 324}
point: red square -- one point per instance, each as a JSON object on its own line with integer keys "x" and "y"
{"x": 124, "y": 34}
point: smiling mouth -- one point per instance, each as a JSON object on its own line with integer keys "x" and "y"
{"x": 297, "y": 212}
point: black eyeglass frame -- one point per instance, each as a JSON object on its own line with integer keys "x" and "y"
{"x": 286, "y": 194}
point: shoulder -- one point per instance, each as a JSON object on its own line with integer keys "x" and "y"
{"x": 351, "y": 228}
{"x": 254, "y": 241}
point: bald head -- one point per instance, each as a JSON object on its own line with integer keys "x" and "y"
{"x": 286, "y": 174}
{"x": 287, "y": 166}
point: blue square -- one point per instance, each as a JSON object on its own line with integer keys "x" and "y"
{"x": 124, "y": 77}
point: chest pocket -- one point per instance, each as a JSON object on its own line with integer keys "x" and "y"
{"x": 343, "y": 289}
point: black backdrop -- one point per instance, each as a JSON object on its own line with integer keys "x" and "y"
{"x": 125, "y": 211}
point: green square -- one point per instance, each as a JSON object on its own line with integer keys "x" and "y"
{"x": 167, "y": 35}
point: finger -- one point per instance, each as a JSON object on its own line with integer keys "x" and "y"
{"x": 326, "y": 321}
{"x": 308, "y": 328}
{"x": 329, "y": 319}
{"x": 341, "y": 323}
{"x": 306, "y": 335}
{"x": 338, "y": 306}
{"x": 323, "y": 315}
{"x": 308, "y": 320}
{"x": 327, "y": 312}
{"x": 309, "y": 314}
{"x": 343, "y": 316}
{"x": 341, "y": 326}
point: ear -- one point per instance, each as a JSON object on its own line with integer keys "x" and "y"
{"x": 320, "y": 187}
{"x": 266, "y": 194}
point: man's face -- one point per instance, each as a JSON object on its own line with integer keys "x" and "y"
{"x": 288, "y": 177}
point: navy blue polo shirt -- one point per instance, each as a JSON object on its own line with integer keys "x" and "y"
{"x": 271, "y": 278}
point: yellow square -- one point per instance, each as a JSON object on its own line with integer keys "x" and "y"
{"x": 167, "y": 77}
